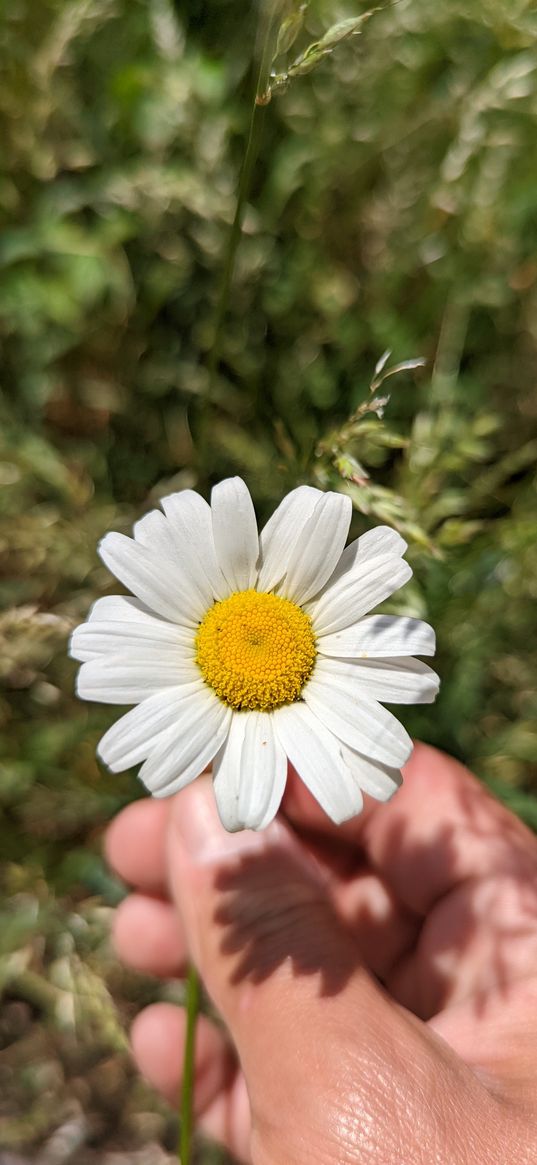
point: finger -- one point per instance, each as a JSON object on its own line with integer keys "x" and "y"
{"x": 134, "y": 845}
{"x": 148, "y": 936}
{"x": 479, "y": 939}
{"x": 288, "y": 980}
{"x": 221, "y": 1103}
{"x": 383, "y": 929}
{"x": 340, "y": 844}
{"x": 441, "y": 828}
{"x": 496, "y": 1033}
{"x": 453, "y": 854}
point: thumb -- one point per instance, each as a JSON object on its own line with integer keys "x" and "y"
{"x": 334, "y": 1069}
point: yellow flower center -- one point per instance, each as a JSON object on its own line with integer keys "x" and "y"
{"x": 256, "y": 650}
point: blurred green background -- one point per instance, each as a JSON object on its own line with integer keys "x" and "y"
{"x": 394, "y": 205}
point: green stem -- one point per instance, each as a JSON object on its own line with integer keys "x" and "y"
{"x": 267, "y": 35}
{"x": 187, "y": 1088}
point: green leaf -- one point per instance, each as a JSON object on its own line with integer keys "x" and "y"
{"x": 289, "y": 30}
{"x": 344, "y": 29}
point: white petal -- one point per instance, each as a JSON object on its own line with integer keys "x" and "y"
{"x": 187, "y": 747}
{"x": 378, "y": 781}
{"x": 278, "y": 537}
{"x": 142, "y": 652}
{"x": 315, "y": 754}
{"x": 154, "y": 532}
{"x": 160, "y": 537}
{"x": 357, "y": 593}
{"x": 394, "y": 681}
{"x": 190, "y": 516}
{"x": 116, "y": 679}
{"x": 235, "y": 533}
{"x": 317, "y": 548}
{"x": 375, "y": 543}
{"x": 249, "y": 773}
{"x": 111, "y": 637}
{"x": 136, "y": 734}
{"x": 380, "y": 540}
{"x": 124, "y": 608}
{"x": 359, "y": 721}
{"x": 155, "y": 580}
{"x": 378, "y": 637}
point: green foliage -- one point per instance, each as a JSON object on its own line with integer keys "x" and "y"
{"x": 392, "y": 207}
{"x": 314, "y": 54}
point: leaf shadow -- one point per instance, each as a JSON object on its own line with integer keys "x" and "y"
{"x": 270, "y": 914}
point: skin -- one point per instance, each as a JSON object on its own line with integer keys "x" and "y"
{"x": 377, "y": 982}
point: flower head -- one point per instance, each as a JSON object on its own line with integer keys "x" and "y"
{"x": 250, "y": 650}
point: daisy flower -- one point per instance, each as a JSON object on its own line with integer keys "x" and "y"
{"x": 248, "y": 650}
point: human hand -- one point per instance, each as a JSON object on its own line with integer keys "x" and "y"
{"x": 295, "y": 929}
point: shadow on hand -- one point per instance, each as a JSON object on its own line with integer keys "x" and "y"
{"x": 272, "y": 911}
{"x": 477, "y": 930}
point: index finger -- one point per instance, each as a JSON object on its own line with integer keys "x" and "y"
{"x": 441, "y": 828}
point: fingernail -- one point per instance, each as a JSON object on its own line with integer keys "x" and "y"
{"x": 200, "y": 831}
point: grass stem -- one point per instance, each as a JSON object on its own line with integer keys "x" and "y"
{"x": 187, "y": 1087}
